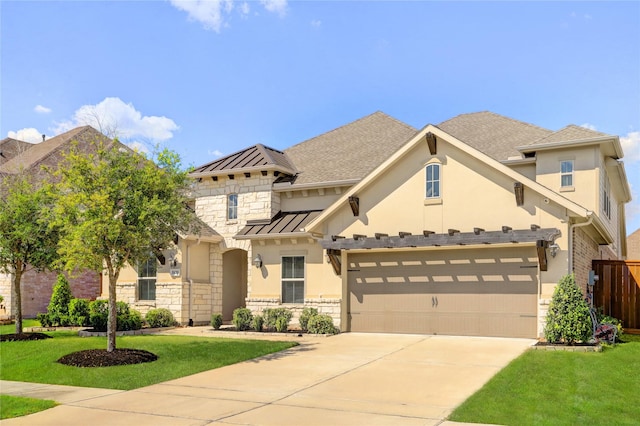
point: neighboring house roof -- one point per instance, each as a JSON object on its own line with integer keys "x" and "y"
{"x": 49, "y": 152}
{"x": 199, "y": 230}
{"x": 10, "y": 147}
{"x": 282, "y": 223}
{"x": 633, "y": 246}
{"x": 492, "y": 134}
{"x": 349, "y": 152}
{"x": 257, "y": 157}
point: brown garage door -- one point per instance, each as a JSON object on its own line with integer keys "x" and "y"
{"x": 471, "y": 292}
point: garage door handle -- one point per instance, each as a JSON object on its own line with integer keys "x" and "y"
{"x": 434, "y": 302}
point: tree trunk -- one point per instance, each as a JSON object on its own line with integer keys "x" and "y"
{"x": 113, "y": 317}
{"x": 17, "y": 296}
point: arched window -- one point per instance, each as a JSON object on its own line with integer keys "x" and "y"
{"x": 433, "y": 181}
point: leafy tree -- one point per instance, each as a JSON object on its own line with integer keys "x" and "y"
{"x": 114, "y": 206}
{"x": 27, "y": 241}
{"x": 568, "y": 319}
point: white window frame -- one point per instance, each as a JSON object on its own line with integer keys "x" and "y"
{"x": 434, "y": 183}
{"x": 144, "y": 278}
{"x": 232, "y": 206}
{"x": 297, "y": 298}
{"x": 567, "y": 174}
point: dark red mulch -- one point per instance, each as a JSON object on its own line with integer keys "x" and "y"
{"x": 102, "y": 358}
{"x": 23, "y": 336}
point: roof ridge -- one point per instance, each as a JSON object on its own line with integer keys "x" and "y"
{"x": 328, "y": 132}
{"x": 495, "y": 114}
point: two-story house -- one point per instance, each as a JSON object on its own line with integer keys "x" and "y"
{"x": 461, "y": 228}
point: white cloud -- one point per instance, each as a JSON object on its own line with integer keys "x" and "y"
{"x": 588, "y": 126}
{"x": 139, "y": 147}
{"x": 215, "y": 153}
{"x": 213, "y": 14}
{"x": 316, "y": 23}
{"x": 28, "y": 135}
{"x": 118, "y": 119}
{"x": 275, "y": 6}
{"x": 631, "y": 147}
{"x": 42, "y": 109}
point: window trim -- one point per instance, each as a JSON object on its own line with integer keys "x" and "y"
{"x": 434, "y": 182}
{"x": 284, "y": 280}
{"x": 232, "y": 209}
{"x": 570, "y": 174}
{"x": 152, "y": 260}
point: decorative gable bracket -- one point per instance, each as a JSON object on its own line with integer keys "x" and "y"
{"x": 431, "y": 142}
{"x": 518, "y": 190}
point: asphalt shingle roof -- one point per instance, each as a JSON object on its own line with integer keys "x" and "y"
{"x": 351, "y": 151}
{"x": 568, "y": 134}
{"x": 493, "y": 134}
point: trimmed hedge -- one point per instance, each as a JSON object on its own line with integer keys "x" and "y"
{"x": 160, "y": 317}
{"x": 277, "y": 319}
{"x": 242, "y": 319}
{"x": 322, "y": 324}
{"x": 216, "y": 321}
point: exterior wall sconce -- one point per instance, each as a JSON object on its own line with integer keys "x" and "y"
{"x": 553, "y": 249}
{"x": 257, "y": 261}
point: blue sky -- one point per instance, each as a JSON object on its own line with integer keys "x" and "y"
{"x": 207, "y": 78}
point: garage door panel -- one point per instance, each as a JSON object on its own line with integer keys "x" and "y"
{"x": 491, "y": 292}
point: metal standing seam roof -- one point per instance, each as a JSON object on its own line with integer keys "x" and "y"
{"x": 253, "y": 157}
{"x": 282, "y": 223}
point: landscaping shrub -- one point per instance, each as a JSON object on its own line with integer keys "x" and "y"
{"x": 271, "y": 316}
{"x": 126, "y": 319}
{"x": 568, "y": 319}
{"x": 606, "y": 319}
{"x": 160, "y": 317}
{"x": 79, "y": 312}
{"x": 58, "y": 309}
{"x": 306, "y": 314}
{"x": 322, "y": 324}
{"x": 258, "y": 321}
{"x": 216, "y": 321}
{"x": 242, "y": 318}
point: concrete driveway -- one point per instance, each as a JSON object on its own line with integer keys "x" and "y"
{"x": 349, "y": 379}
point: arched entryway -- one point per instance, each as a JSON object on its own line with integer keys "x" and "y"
{"x": 234, "y": 282}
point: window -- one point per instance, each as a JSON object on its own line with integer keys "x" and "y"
{"x": 433, "y": 181}
{"x": 606, "y": 198}
{"x": 232, "y": 206}
{"x": 566, "y": 173}
{"x": 293, "y": 279}
{"x": 147, "y": 272}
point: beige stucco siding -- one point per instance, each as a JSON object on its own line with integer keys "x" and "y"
{"x": 312, "y": 199}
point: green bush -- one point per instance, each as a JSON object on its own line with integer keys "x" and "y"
{"x": 160, "y": 317}
{"x": 271, "y": 316}
{"x": 79, "y": 312}
{"x": 606, "y": 319}
{"x": 58, "y": 309}
{"x": 258, "y": 321}
{"x": 306, "y": 314}
{"x": 282, "y": 324}
{"x": 43, "y": 319}
{"x": 568, "y": 319}
{"x": 322, "y": 324}
{"x": 216, "y": 321}
{"x": 242, "y": 318}
{"x": 126, "y": 319}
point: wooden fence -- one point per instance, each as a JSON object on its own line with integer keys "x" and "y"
{"x": 617, "y": 291}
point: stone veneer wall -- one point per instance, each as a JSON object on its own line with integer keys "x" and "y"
{"x": 329, "y": 307}
{"x": 38, "y": 287}
{"x": 206, "y": 299}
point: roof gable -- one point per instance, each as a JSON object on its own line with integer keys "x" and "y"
{"x": 442, "y": 137}
{"x": 10, "y": 148}
{"x": 257, "y": 157}
{"x": 570, "y": 133}
{"x": 349, "y": 152}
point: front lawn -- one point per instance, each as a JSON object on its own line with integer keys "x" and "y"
{"x": 561, "y": 388}
{"x": 178, "y": 356}
{"x": 11, "y": 328}
{"x": 17, "y": 406}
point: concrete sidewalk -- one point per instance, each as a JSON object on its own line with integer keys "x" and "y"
{"x": 349, "y": 379}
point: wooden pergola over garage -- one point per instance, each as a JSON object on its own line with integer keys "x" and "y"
{"x": 488, "y": 287}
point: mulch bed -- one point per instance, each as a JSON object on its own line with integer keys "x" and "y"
{"x": 23, "y": 336}
{"x": 102, "y": 358}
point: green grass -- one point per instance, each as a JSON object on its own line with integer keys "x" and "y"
{"x": 17, "y": 406}
{"x": 178, "y": 356}
{"x": 11, "y": 328}
{"x": 561, "y": 388}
